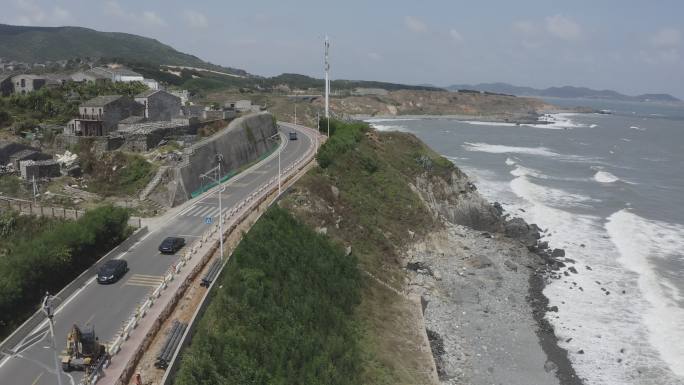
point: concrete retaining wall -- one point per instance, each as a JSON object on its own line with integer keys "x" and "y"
{"x": 243, "y": 141}
{"x": 38, "y": 317}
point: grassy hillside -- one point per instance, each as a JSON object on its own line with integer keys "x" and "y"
{"x": 39, "y": 44}
{"x": 293, "y": 308}
{"x": 282, "y": 314}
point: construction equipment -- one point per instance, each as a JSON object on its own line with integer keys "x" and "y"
{"x": 83, "y": 351}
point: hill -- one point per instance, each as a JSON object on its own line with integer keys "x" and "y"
{"x": 564, "y": 92}
{"x": 40, "y": 44}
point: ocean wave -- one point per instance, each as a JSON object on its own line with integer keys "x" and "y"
{"x": 605, "y": 177}
{"x": 483, "y": 123}
{"x": 526, "y": 171}
{"x": 638, "y": 128}
{"x": 560, "y": 121}
{"x": 502, "y": 149}
{"x": 510, "y": 162}
{"x": 385, "y": 120}
{"x": 388, "y": 127}
{"x": 640, "y": 241}
{"x": 548, "y": 196}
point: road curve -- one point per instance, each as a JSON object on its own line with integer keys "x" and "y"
{"x": 107, "y": 307}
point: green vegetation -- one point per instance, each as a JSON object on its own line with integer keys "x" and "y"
{"x": 283, "y": 313}
{"x": 39, "y": 44}
{"x": 59, "y": 104}
{"x": 39, "y": 255}
{"x": 375, "y": 211}
{"x": 343, "y": 137}
{"x": 114, "y": 173}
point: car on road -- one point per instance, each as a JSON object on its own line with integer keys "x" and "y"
{"x": 112, "y": 270}
{"x": 293, "y": 135}
{"x": 171, "y": 244}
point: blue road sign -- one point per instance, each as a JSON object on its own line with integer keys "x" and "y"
{"x": 208, "y": 220}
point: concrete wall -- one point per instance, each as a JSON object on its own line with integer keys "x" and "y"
{"x": 243, "y": 141}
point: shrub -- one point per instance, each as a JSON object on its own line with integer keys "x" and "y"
{"x": 51, "y": 258}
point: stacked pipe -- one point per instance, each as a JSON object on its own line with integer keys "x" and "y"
{"x": 211, "y": 273}
{"x": 170, "y": 345}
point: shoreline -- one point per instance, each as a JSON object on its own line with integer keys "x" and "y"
{"x": 482, "y": 281}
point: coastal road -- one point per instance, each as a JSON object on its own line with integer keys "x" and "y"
{"x": 107, "y": 307}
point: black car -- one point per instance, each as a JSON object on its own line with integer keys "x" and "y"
{"x": 293, "y": 135}
{"x": 112, "y": 270}
{"x": 171, "y": 244}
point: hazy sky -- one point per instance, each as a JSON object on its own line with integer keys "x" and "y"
{"x": 627, "y": 45}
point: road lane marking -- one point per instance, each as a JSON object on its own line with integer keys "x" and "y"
{"x": 37, "y": 378}
{"x": 145, "y": 280}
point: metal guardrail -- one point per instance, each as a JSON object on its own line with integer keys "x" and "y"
{"x": 232, "y": 217}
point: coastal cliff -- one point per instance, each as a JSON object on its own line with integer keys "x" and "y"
{"x": 421, "y": 230}
{"x": 382, "y": 265}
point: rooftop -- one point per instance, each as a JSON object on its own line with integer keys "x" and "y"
{"x": 100, "y": 101}
{"x": 146, "y": 94}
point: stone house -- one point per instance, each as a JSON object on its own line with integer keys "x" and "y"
{"x": 6, "y": 86}
{"x": 25, "y": 83}
{"x": 39, "y": 169}
{"x": 28, "y": 154}
{"x": 159, "y": 105}
{"x": 101, "y": 115}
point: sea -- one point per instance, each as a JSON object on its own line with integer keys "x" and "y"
{"x": 609, "y": 190}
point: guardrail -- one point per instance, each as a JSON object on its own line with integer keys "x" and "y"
{"x": 185, "y": 340}
{"x": 231, "y": 219}
{"x": 38, "y": 317}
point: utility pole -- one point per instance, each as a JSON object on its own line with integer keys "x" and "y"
{"x": 272, "y": 137}
{"x": 217, "y": 178}
{"x": 327, "y": 77}
{"x": 47, "y": 309}
{"x": 318, "y": 127}
{"x": 219, "y": 159}
{"x": 295, "y": 103}
{"x": 35, "y": 190}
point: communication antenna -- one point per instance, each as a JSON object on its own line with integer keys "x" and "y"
{"x": 327, "y": 77}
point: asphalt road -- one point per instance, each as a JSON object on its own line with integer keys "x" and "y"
{"x": 107, "y": 307}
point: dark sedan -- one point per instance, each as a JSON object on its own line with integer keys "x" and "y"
{"x": 171, "y": 244}
{"x": 112, "y": 270}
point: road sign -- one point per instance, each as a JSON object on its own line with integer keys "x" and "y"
{"x": 208, "y": 220}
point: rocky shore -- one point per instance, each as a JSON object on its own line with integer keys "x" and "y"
{"x": 481, "y": 279}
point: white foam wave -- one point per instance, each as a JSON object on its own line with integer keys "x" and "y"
{"x": 385, "y": 120}
{"x": 510, "y": 162}
{"x": 526, "y": 171}
{"x": 481, "y": 123}
{"x": 388, "y": 127}
{"x": 560, "y": 121}
{"x": 640, "y": 241}
{"x": 548, "y": 196}
{"x": 605, "y": 177}
{"x": 638, "y": 128}
{"x": 605, "y": 327}
{"x": 501, "y": 149}
{"x": 593, "y": 125}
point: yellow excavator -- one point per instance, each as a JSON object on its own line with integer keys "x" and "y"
{"x": 83, "y": 351}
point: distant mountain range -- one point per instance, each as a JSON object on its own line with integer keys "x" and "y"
{"x": 41, "y": 44}
{"x": 563, "y": 92}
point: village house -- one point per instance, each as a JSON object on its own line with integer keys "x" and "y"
{"x": 6, "y": 86}
{"x": 25, "y": 83}
{"x": 159, "y": 105}
{"x": 99, "y": 116}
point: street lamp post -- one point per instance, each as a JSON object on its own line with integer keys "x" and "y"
{"x": 217, "y": 169}
{"x": 279, "y": 151}
{"x": 47, "y": 309}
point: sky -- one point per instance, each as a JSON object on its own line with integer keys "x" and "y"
{"x": 629, "y": 46}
